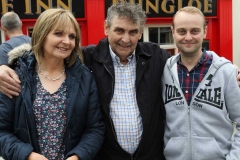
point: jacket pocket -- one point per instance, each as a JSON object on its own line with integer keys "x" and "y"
{"x": 205, "y": 148}
{"x": 177, "y": 148}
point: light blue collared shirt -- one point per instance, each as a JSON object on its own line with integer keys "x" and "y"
{"x": 124, "y": 109}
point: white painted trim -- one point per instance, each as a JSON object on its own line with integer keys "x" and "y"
{"x": 236, "y": 31}
{"x": 146, "y": 37}
{"x": 2, "y": 36}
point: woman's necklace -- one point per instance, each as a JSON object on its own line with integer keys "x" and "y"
{"x": 50, "y": 79}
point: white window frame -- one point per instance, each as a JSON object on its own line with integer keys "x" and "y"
{"x": 3, "y": 39}
{"x": 146, "y": 36}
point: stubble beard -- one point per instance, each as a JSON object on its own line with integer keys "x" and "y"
{"x": 189, "y": 52}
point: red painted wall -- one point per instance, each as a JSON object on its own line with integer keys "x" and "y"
{"x": 220, "y": 30}
{"x": 95, "y": 20}
{"x": 225, "y": 29}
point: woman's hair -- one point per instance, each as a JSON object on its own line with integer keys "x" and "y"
{"x": 50, "y": 20}
{"x": 131, "y": 11}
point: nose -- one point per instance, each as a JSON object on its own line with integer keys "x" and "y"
{"x": 126, "y": 38}
{"x": 188, "y": 36}
{"x": 66, "y": 40}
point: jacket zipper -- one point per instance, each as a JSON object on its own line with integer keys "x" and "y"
{"x": 67, "y": 137}
{"x": 112, "y": 126}
{"x": 28, "y": 129}
{"x": 190, "y": 134}
{"x": 29, "y": 135}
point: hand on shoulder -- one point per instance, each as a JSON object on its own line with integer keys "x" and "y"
{"x": 9, "y": 82}
{"x": 238, "y": 76}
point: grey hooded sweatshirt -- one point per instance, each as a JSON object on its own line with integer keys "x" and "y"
{"x": 203, "y": 130}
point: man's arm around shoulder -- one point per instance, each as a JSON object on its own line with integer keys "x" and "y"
{"x": 9, "y": 82}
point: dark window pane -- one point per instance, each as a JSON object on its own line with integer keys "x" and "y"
{"x": 30, "y": 30}
{"x": 161, "y": 35}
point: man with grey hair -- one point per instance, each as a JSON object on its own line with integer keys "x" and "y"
{"x": 12, "y": 27}
{"x": 128, "y": 75}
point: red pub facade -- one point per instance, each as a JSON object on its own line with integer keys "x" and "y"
{"x": 90, "y": 15}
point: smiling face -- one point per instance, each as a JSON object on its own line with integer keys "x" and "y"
{"x": 189, "y": 32}
{"x": 123, "y": 36}
{"x": 59, "y": 44}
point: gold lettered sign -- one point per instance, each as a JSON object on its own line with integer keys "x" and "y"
{"x": 167, "y": 8}
{"x": 31, "y": 9}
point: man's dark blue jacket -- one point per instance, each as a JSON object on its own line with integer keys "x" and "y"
{"x": 150, "y": 64}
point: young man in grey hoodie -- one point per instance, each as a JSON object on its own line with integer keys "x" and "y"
{"x": 201, "y": 96}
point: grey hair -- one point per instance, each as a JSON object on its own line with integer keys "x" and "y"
{"x": 11, "y": 21}
{"x": 131, "y": 11}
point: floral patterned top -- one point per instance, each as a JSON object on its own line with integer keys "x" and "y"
{"x": 50, "y": 114}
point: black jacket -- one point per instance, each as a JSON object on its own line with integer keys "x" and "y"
{"x": 85, "y": 128}
{"x": 150, "y": 64}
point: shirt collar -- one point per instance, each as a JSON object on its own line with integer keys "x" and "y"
{"x": 200, "y": 62}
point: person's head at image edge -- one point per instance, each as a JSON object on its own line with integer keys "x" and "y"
{"x": 11, "y": 24}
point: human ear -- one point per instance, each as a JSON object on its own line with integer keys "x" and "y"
{"x": 106, "y": 27}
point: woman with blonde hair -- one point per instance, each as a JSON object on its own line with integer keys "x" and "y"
{"x": 57, "y": 115}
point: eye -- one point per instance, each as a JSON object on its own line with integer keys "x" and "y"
{"x": 72, "y": 37}
{"x": 181, "y": 31}
{"x": 195, "y": 31}
{"x": 58, "y": 33}
{"x": 119, "y": 31}
{"x": 133, "y": 32}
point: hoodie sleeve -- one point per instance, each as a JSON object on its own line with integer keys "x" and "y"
{"x": 232, "y": 97}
